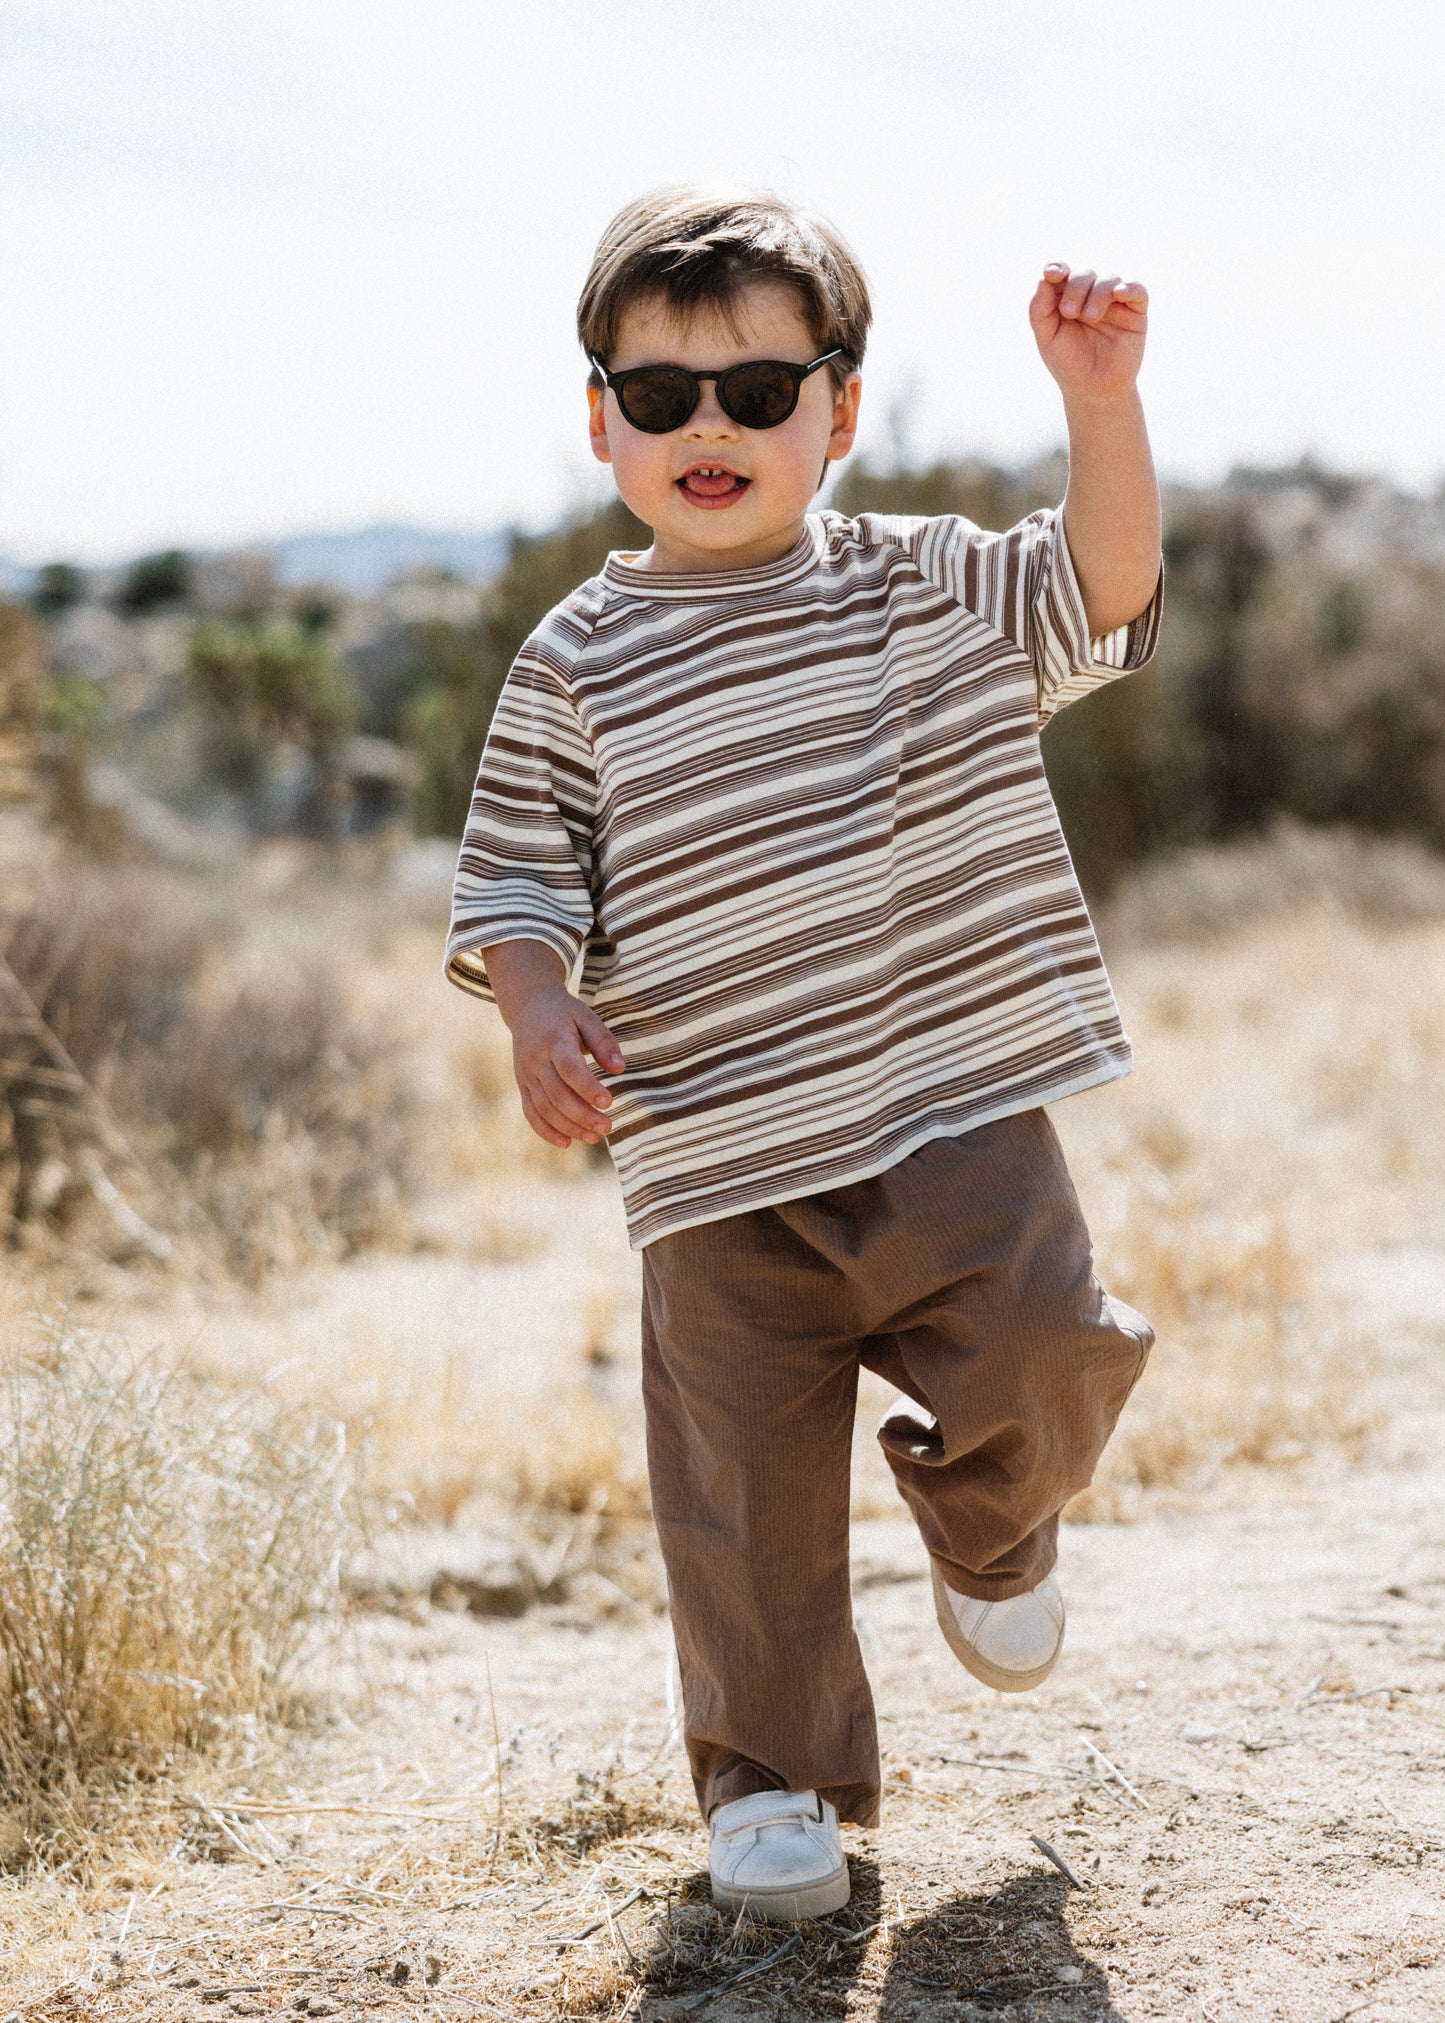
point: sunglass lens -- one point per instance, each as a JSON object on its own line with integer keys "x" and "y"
{"x": 658, "y": 399}
{"x": 759, "y": 395}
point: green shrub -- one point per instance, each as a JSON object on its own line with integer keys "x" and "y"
{"x": 155, "y": 581}
{"x": 57, "y": 586}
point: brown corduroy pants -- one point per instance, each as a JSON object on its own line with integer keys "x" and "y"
{"x": 964, "y": 1276}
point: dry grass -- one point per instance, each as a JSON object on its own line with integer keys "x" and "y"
{"x": 446, "y": 1440}
{"x": 165, "y": 1548}
{"x": 272, "y": 1123}
{"x": 1280, "y": 1128}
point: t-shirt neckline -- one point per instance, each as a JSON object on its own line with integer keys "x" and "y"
{"x": 690, "y": 585}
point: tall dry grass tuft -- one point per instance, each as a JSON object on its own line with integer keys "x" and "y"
{"x": 166, "y": 1547}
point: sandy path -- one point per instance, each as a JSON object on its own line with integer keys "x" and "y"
{"x": 1241, "y": 1759}
{"x": 1283, "y": 1856}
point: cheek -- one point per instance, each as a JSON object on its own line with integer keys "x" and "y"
{"x": 798, "y": 453}
{"x": 640, "y": 463}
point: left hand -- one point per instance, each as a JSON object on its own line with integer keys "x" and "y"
{"x": 1090, "y": 330}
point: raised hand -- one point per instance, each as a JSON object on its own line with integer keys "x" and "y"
{"x": 1090, "y": 330}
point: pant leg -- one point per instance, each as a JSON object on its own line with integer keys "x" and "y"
{"x": 750, "y": 1359}
{"x": 987, "y": 1312}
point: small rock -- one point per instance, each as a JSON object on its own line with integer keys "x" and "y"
{"x": 1149, "y": 1892}
{"x": 1198, "y": 1733}
{"x": 1073, "y": 1975}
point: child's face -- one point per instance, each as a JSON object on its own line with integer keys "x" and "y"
{"x": 752, "y": 512}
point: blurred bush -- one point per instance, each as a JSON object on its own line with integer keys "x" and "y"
{"x": 155, "y": 581}
{"x": 57, "y": 586}
{"x": 275, "y": 1124}
{"x": 24, "y": 698}
{"x": 265, "y": 686}
{"x": 455, "y": 673}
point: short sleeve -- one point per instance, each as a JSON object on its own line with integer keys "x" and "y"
{"x": 525, "y": 869}
{"x": 1023, "y": 584}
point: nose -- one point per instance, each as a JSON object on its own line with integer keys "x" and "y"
{"x": 707, "y": 419}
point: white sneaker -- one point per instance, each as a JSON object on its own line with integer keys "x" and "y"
{"x": 779, "y": 1853}
{"x": 1010, "y": 1645}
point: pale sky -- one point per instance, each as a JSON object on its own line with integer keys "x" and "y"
{"x": 290, "y": 264}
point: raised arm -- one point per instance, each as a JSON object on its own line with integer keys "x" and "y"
{"x": 1090, "y": 333}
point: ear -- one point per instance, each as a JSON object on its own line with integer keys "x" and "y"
{"x": 597, "y": 424}
{"x": 845, "y": 418}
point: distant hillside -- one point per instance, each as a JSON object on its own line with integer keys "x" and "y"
{"x": 365, "y": 561}
{"x": 359, "y": 563}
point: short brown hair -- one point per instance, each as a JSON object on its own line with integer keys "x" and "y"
{"x": 699, "y": 248}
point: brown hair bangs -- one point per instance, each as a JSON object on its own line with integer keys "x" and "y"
{"x": 698, "y": 249}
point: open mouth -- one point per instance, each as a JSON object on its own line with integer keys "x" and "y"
{"x": 712, "y": 485}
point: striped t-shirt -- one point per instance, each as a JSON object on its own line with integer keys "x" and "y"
{"x": 789, "y": 830}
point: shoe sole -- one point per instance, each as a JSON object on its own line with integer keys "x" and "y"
{"x": 787, "y": 1906}
{"x": 972, "y": 1661}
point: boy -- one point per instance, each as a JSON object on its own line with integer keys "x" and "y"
{"x": 761, "y": 826}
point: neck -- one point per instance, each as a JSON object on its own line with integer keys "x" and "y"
{"x": 675, "y": 557}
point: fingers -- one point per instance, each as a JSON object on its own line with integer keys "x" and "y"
{"x": 540, "y": 1125}
{"x": 578, "y": 1078}
{"x": 1086, "y": 297}
{"x": 560, "y": 1103}
{"x": 1044, "y": 308}
{"x": 562, "y": 1099}
{"x": 598, "y": 1040}
{"x": 1076, "y": 294}
{"x": 557, "y": 1116}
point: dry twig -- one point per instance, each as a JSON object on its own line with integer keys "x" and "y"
{"x": 1052, "y": 1854}
{"x": 748, "y": 1974}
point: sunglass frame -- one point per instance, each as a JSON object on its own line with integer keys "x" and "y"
{"x": 617, "y": 383}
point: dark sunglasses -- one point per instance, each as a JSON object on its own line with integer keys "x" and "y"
{"x": 760, "y": 394}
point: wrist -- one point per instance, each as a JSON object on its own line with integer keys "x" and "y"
{"x": 1083, "y": 407}
{"x": 523, "y": 976}
{"x": 535, "y": 999}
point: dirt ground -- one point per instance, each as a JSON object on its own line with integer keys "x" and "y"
{"x": 1238, "y": 1769}
{"x": 1239, "y": 1761}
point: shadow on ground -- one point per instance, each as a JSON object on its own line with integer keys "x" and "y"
{"x": 712, "y": 1967}
{"x": 1000, "y": 1955}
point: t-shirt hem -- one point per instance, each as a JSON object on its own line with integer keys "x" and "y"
{"x": 1111, "y": 1067}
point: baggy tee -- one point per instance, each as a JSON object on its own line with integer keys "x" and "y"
{"x": 789, "y": 831}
